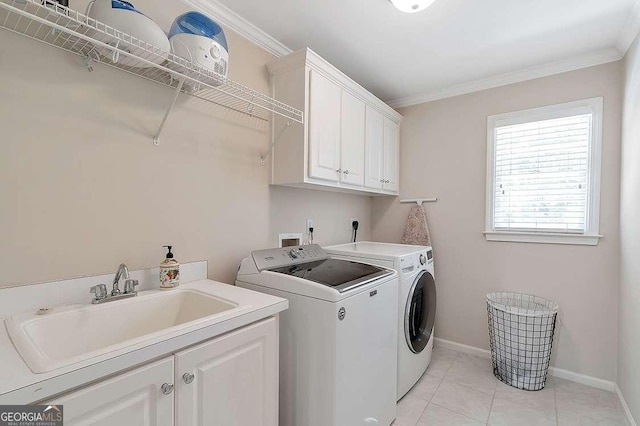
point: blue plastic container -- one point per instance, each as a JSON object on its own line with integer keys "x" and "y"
{"x": 198, "y": 24}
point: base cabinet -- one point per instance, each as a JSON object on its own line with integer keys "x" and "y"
{"x": 231, "y": 380}
{"x": 134, "y": 398}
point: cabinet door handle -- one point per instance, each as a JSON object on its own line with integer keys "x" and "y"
{"x": 167, "y": 388}
{"x": 188, "y": 378}
{"x": 339, "y": 171}
{"x": 346, "y": 172}
{"x": 381, "y": 180}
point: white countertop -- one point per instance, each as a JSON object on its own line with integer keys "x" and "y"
{"x": 19, "y": 385}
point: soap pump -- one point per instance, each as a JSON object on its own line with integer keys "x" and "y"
{"x": 169, "y": 271}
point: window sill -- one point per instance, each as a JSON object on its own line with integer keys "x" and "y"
{"x": 543, "y": 238}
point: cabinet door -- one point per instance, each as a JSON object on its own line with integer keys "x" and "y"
{"x": 391, "y": 156}
{"x": 235, "y": 379}
{"x": 324, "y": 128}
{"x": 352, "y": 141}
{"x": 134, "y": 398}
{"x": 373, "y": 149}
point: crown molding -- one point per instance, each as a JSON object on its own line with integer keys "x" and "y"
{"x": 227, "y": 17}
{"x": 230, "y": 19}
{"x": 630, "y": 30}
{"x": 557, "y": 67}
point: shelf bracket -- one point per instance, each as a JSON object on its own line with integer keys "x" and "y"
{"x": 88, "y": 62}
{"x": 264, "y": 156}
{"x": 156, "y": 138}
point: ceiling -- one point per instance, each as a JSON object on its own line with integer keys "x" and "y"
{"x": 399, "y": 56}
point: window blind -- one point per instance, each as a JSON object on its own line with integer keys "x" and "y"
{"x": 542, "y": 175}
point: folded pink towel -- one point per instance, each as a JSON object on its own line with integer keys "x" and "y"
{"x": 417, "y": 231}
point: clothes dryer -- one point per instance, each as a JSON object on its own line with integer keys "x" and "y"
{"x": 416, "y": 300}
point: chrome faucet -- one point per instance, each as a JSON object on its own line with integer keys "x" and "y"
{"x": 100, "y": 290}
{"x": 122, "y": 271}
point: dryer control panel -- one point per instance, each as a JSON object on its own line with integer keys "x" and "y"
{"x": 288, "y": 256}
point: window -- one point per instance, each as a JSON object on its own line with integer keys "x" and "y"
{"x": 543, "y": 174}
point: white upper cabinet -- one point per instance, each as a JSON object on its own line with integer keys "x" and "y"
{"x": 324, "y": 128}
{"x": 374, "y": 149}
{"x": 343, "y": 144}
{"x": 352, "y": 140}
{"x": 391, "y": 155}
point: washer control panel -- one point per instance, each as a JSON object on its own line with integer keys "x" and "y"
{"x": 288, "y": 256}
{"x": 418, "y": 260}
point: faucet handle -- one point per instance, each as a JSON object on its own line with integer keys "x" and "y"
{"x": 100, "y": 292}
{"x": 130, "y": 286}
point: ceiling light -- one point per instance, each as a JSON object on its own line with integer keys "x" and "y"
{"x": 411, "y": 6}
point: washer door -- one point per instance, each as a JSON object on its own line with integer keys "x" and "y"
{"x": 420, "y": 312}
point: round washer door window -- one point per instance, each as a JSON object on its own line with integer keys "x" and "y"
{"x": 420, "y": 312}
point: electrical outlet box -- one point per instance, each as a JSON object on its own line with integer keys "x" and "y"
{"x": 290, "y": 239}
{"x": 309, "y": 224}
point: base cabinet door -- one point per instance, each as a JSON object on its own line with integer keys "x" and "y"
{"x": 134, "y": 398}
{"x": 231, "y": 380}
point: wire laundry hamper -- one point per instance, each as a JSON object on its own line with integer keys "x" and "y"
{"x": 521, "y": 328}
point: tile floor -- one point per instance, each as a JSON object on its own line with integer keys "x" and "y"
{"x": 460, "y": 389}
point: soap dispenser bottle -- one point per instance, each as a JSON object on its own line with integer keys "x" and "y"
{"x": 169, "y": 272}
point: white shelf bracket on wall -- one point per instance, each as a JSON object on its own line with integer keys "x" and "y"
{"x": 264, "y": 156}
{"x": 156, "y": 138}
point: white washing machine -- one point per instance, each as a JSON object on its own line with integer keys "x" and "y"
{"x": 337, "y": 339}
{"x": 416, "y": 301}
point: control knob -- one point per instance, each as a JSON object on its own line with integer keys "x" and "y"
{"x": 215, "y": 52}
{"x": 423, "y": 259}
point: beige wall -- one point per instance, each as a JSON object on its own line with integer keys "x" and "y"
{"x": 629, "y": 319}
{"x": 83, "y": 188}
{"x": 443, "y": 154}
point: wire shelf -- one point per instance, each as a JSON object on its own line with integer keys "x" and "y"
{"x": 67, "y": 29}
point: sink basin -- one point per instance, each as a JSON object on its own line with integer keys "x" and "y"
{"x": 76, "y": 333}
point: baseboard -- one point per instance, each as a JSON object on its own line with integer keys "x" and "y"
{"x": 625, "y": 407}
{"x": 583, "y": 378}
{"x": 448, "y": 344}
{"x": 553, "y": 371}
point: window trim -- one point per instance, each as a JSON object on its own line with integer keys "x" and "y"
{"x": 591, "y": 235}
